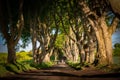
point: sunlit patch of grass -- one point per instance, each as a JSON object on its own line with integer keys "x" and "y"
{"x": 42, "y": 65}
{"x": 13, "y": 68}
{"x": 116, "y": 52}
{"x": 21, "y": 56}
{"x": 24, "y": 63}
{"x": 24, "y": 59}
{"x": 76, "y": 66}
{"x": 18, "y": 67}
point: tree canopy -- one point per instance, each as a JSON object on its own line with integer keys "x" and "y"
{"x": 78, "y": 28}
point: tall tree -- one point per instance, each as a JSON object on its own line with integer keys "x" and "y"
{"x": 11, "y": 24}
{"x": 96, "y": 14}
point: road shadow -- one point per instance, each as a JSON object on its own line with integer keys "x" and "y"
{"x": 49, "y": 73}
{"x": 61, "y": 73}
{"x": 108, "y": 75}
{"x": 37, "y": 75}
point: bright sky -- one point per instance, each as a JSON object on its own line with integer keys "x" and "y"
{"x": 3, "y": 48}
{"x": 28, "y": 48}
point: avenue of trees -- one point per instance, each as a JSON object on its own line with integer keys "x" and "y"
{"x": 80, "y": 30}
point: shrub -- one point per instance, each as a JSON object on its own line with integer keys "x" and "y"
{"x": 13, "y": 68}
{"x": 3, "y": 57}
{"x": 42, "y": 65}
{"x": 76, "y": 66}
{"x": 21, "y": 56}
{"x": 116, "y": 50}
{"x": 23, "y": 64}
{"x": 18, "y": 67}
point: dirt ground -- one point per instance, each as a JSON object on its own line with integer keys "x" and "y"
{"x": 64, "y": 72}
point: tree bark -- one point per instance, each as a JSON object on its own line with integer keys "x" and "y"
{"x": 11, "y": 52}
{"x": 115, "y": 4}
{"x": 92, "y": 51}
{"x": 103, "y": 35}
{"x": 102, "y": 58}
{"x": 102, "y": 31}
{"x": 11, "y": 33}
{"x": 46, "y": 58}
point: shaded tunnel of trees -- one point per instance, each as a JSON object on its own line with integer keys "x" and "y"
{"x": 80, "y": 30}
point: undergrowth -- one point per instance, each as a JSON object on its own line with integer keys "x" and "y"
{"x": 42, "y": 65}
{"x": 76, "y": 66}
{"x": 24, "y": 63}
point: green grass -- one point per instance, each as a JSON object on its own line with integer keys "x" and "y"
{"x": 3, "y": 70}
{"x": 74, "y": 65}
{"x": 116, "y": 50}
{"x": 24, "y": 63}
{"x": 43, "y": 65}
{"x": 24, "y": 59}
{"x": 3, "y": 57}
{"x": 21, "y": 56}
{"x": 13, "y": 68}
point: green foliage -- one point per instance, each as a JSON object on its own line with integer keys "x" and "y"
{"x": 25, "y": 37}
{"x": 52, "y": 58}
{"x": 60, "y": 41}
{"x": 74, "y": 65}
{"x": 3, "y": 57}
{"x": 18, "y": 67}
{"x": 13, "y": 68}
{"x": 25, "y": 59}
{"x": 116, "y": 50}
{"x": 22, "y": 56}
{"x": 42, "y": 65}
{"x": 3, "y": 70}
{"x": 117, "y": 45}
{"x": 23, "y": 63}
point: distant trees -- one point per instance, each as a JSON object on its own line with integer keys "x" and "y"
{"x": 43, "y": 27}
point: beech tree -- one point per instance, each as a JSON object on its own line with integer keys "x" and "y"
{"x": 96, "y": 14}
{"x": 36, "y": 12}
{"x": 11, "y": 25}
{"x": 84, "y": 24}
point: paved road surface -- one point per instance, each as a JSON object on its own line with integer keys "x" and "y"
{"x": 64, "y": 72}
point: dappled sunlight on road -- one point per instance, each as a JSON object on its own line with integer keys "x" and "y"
{"x": 64, "y": 72}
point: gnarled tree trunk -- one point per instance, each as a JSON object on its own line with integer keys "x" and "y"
{"x": 34, "y": 39}
{"x": 103, "y": 33}
{"x": 11, "y": 31}
{"x": 11, "y": 52}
